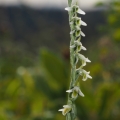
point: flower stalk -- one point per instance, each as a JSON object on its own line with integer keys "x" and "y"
{"x": 76, "y": 46}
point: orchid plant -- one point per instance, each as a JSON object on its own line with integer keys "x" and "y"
{"x": 76, "y": 46}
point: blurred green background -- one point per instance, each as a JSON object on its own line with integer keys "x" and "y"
{"x": 35, "y": 65}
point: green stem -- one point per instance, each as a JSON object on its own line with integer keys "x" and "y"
{"x": 69, "y": 2}
{"x": 71, "y": 116}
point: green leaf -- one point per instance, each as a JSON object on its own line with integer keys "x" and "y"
{"x": 55, "y": 69}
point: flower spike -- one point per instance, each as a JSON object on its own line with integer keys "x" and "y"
{"x": 76, "y": 46}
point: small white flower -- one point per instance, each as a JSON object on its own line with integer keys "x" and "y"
{"x": 72, "y": 46}
{"x": 83, "y": 59}
{"x": 77, "y": 21}
{"x": 77, "y": 46}
{"x": 85, "y": 75}
{"x": 66, "y": 109}
{"x": 75, "y": 8}
{"x": 80, "y": 46}
{"x": 75, "y": 92}
{"x": 76, "y": 32}
{"x": 72, "y": 32}
{"x": 83, "y": 48}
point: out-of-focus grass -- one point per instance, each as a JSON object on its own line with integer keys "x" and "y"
{"x": 38, "y": 92}
{"x": 34, "y": 89}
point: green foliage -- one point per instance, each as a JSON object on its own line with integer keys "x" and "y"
{"x": 112, "y": 18}
{"x": 34, "y": 93}
{"x": 37, "y": 92}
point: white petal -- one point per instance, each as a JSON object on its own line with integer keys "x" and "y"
{"x": 78, "y": 43}
{"x": 83, "y": 23}
{"x": 69, "y": 91}
{"x": 81, "y": 11}
{"x": 68, "y": 8}
{"x": 83, "y": 63}
{"x": 72, "y": 46}
{"x": 87, "y": 60}
{"x": 78, "y": 27}
{"x": 87, "y": 72}
{"x": 84, "y": 79}
{"x": 82, "y": 57}
{"x": 82, "y": 34}
{"x": 66, "y": 110}
{"x": 60, "y": 109}
{"x": 76, "y": 88}
{"x": 89, "y": 76}
{"x": 72, "y": 32}
{"x": 80, "y": 93}
{"x": 83, "y": 48}
{"x": 66, "y": 106}
{"x": 71, "y": 23}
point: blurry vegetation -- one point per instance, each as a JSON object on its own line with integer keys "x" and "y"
{"x": 33, "y": 88}
{"x": 113, "y": 20}
{"x": 112, "y": 29}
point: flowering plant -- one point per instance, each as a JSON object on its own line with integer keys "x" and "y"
{"x": 75, "y": 47}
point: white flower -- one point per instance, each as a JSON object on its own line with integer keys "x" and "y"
{"x": 75, "y": 8}
{"x": 75, "y": 92}
{"x": 80, "y": 45}
{"x": 77, "y": 21}
{"x": 66, "y": 109}
{"x": 83, "y": 59}
{"x": 85, "y": 75}
{"x": 77, "y": 46}
{"x": 77, "y": 32}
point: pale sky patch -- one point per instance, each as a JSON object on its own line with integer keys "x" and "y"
{"x": 48, "y": 3}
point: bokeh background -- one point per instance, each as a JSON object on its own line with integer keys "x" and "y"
{"x": 35, "y": 64}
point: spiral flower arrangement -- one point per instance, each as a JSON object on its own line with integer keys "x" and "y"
{"x": 76, "y": 46}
